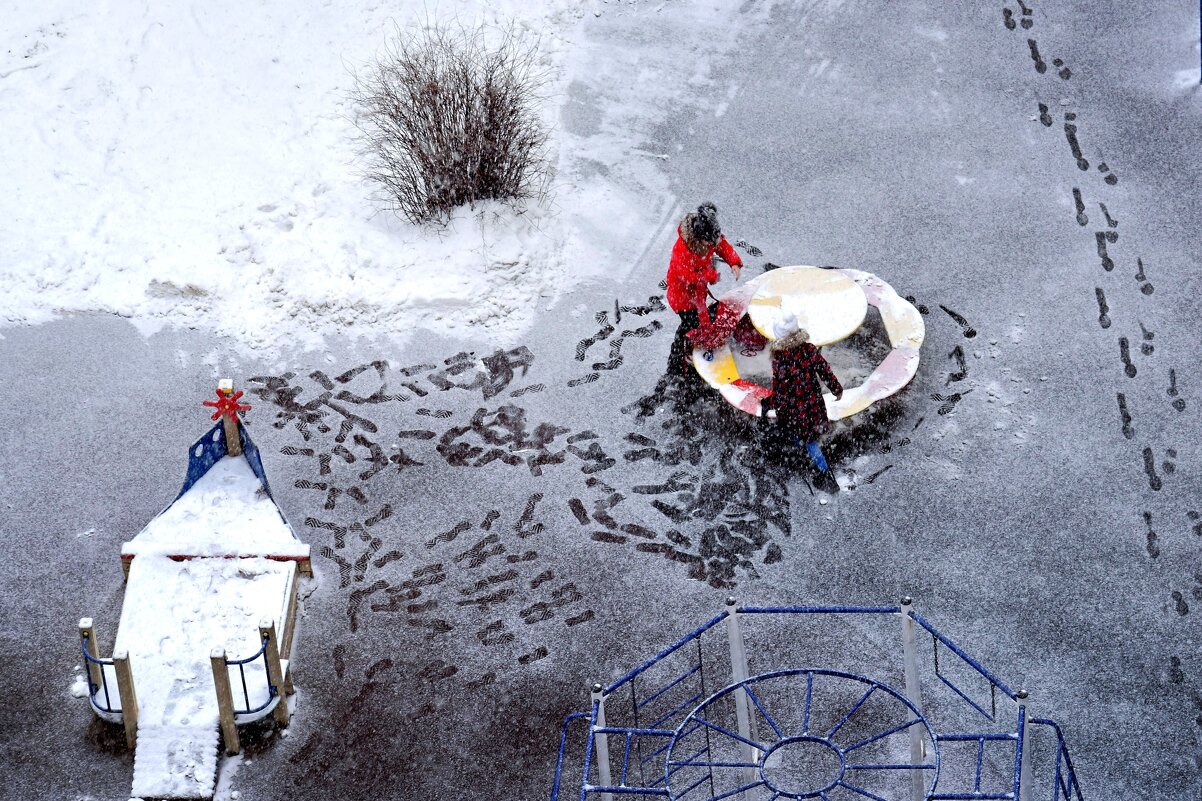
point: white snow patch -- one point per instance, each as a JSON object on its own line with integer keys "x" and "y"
{"x": 79, "y": 687}
{"x": 226, "y": 512}
{"x": 149, "y": 326}
{"x": 175, "y": 761}
{"x": 214, "y": 603}
{"x": 732, "y": 92}
{"x": 1188, "y": 79}
{"x": 192, "y": 166}
{"x": 225, "y": 777}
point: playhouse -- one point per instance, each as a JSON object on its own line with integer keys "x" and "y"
{"x": 206, "y": 628}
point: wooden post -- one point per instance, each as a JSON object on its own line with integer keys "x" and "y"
{"x": 129, "y": 698}
{"x": 225, "y": 701}
{"x": 275, "y": 671}
{"x": 289, "y": 620}
{"x": 233, "y": 443}
{"x": 87, "y": 635}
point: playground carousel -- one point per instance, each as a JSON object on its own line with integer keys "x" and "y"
{"x": 870, "y": 335}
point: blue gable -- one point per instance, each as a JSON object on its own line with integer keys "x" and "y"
{"x": 210, "y": 448}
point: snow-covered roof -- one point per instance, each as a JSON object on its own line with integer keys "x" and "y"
{"x": 227, "y": 512}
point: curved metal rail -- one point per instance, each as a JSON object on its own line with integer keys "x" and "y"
{"x": 273, "y": 692}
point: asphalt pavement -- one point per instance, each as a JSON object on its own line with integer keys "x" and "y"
{"x": 495, "y": 526}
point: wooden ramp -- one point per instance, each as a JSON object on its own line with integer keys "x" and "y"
{"x": 175, "y": 762}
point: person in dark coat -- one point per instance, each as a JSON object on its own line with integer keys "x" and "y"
{"x": 690, "y": 273}
{"x": 797, "y": 367}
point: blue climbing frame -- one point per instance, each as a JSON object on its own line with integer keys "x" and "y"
{"x": 685, "y": 723}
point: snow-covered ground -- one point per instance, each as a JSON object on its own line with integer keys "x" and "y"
{"x": 193, "y": 165}
{"x": 491, "y": 526}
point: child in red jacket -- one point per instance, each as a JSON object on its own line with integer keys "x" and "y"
{"x": 690, "y": 274}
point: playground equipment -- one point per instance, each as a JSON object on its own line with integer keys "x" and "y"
{"x": 206, "y": 628}
{"x": 830, "y": 304}
{"x": 747, "y": 713}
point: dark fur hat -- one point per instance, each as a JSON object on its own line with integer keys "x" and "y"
{"x": 705, "y": 223}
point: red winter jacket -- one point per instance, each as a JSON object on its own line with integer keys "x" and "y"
{"x": 690, "y": 273}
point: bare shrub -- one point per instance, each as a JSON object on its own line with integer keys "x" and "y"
{"x": 448, "y": 116}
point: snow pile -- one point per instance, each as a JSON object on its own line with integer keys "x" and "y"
{"x": 226, "y": 512}
{"x": 79, "y": 687}
{"x": 192, "y": 165}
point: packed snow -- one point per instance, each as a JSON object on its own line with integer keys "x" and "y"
{"x": 79, "y": 686}
{"x": 193, "y": 166}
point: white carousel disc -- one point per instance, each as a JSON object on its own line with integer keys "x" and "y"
{"x": 826, "y": 303}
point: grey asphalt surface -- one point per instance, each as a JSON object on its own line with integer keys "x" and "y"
{"x": 1056, "y": 547}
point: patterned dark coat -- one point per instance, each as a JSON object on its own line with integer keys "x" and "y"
{"x": 796, "y": 393}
